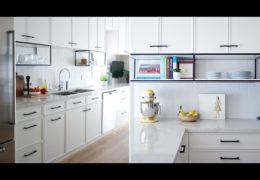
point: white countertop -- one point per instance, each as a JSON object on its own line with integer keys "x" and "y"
{"x": 22, "y": 102}
{"x": 159, "y": 142}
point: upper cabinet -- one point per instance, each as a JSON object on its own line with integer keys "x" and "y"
{"x": 33, "y": 29}
{"x": 112, "y": 23}
{"x": 123, "y": 40}
{"x": 161, "y": 35}
{"x": 227, "y": 34}
{"x": 210, "y": 34}
{"x": 71, "y": 32}
{"x": 244, "y": 34}
{"x": 144, "y": 34}
{"x": 97, "y": 33}
{"x": 61, "y": 31}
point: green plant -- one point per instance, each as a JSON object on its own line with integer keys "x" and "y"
{"x": 104, "y": 78}
{"x": 176, "y": 70}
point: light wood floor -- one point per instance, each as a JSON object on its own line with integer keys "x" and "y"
{"x": 113, "y": 148}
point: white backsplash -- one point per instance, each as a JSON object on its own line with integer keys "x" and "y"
{"x": 61, "y": 57}
{"x": 242, "y": 99}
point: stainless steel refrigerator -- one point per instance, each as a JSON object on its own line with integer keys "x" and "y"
{"x": 7, "y": 90}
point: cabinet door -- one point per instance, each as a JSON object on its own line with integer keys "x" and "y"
{"x": 39, "y": 29}
{"x": 80, "y": 32}
{"x": 244, "y": 32}
{"x": 61, "y": 31}
{"x": 75, "y": 128}
{"x": 20, "y": 26}
{"x": 182, "y": 154}
{"x": 93, "y": 120}
{"x": 144, "y": 34}
{"x": 53, "y": 136}
{"x": 123, "y": 44}
{"x": 177, "y": 34}
{"x": 112, "y": 23}
{"x": 97, "y": 33}
{"x": 210, "y": 34}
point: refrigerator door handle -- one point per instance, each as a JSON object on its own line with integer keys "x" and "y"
{"x": 11, "y": 45}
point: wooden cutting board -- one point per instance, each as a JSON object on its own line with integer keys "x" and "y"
{"x": 19, "y": 85}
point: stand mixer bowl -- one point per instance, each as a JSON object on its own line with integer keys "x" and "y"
{"x": 149, "y": 109}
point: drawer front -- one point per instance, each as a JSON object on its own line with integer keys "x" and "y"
{"x": 28, "y": 132}
{"x": 124, "y": 102}
{"x": 122, "y": 116}
{"x": 30, "y": 154}
{"x": 224, "y": 140}
{"x": 224, "y": 156}
{"x": 94, "y": 98}
{"x": 54, "y": 107}
{"x": 123, "y": 91}
{"x": 76, "y": 102}
{"x": 28, "y": 113}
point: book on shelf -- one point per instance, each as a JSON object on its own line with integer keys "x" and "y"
{"x": 149, "y": 71}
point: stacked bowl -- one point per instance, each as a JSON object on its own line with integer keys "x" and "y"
{"x": 239, "y": 74}
{"x": 213, "y": 75}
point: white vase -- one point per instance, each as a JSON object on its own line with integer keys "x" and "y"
{"x": 104, "y": 83}
{"x": 176, "y": 75}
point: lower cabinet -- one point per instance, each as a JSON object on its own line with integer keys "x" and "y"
{"x": 53, "y": 146}
{"x": 182, "y": 154}
{"x": 93, "y": 120}
{"x": 75, "y": 128}
{"x": 29, "y": 154}
{"x": 224, "y": 148}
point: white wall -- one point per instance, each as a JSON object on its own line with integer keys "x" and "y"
{"x": 242, "y": 99}
{"x": 61, "y": 57}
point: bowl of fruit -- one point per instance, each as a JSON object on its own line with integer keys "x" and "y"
{"x": 35, "y": 91}
{"x": 190, "y": 116}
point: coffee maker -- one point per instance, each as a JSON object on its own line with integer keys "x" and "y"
{"x": 149, "y": 109}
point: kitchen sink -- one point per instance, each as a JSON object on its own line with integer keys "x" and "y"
{"x": 76, "y": 91}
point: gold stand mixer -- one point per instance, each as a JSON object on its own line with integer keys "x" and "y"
{"x": 149, "y": 109}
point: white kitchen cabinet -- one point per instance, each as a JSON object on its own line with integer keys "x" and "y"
{"x": 144, "y": 34}
{"x": 123, "y": 108}
{"x": 80, "y": 32}
{"x": 123, "y": 44}
{"x": 29, "y": 154}
{"x": 33, "y": 29}
{"x": 97, "y": 33}
{"x": 210, "y": 34}
{"x": 93, "y": 120}
{"x": 61, "y": 30}
{"x": 75, "y": 128}
{"x": 244, "y": 32}
{"x": 182, "y": 154}
{"x": 176, "y": 34}
{"x": 54, "y": 140}
{"x": 224, "y": 147}
{"x": 112, "y": 23}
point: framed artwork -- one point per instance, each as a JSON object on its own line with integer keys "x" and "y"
{"x": 212, "y": 106}
{"x": 186, "y": 67}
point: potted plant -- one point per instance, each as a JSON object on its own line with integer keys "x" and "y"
{"x": 176, "y": 73}
{"x": 104, "y": 79}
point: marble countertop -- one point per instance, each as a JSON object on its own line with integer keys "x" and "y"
{"x": 159, "y": 142}
{"x": 22, "y": 102}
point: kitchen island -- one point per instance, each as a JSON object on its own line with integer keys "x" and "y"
{"x": 160, "y": 142}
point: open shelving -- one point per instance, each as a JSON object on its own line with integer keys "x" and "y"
{"x": 203, "y": 63}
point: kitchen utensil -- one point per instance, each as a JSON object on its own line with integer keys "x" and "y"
{"x": 19, "y": 85}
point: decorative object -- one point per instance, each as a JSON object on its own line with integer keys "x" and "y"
{"x": 104, "y": 79}
{"x": 176, "y": 73}
{"x": 212, "y": 106}
{"x": 186, "y": 67}
{"x": 188, "y": 116}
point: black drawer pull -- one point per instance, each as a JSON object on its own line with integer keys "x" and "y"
{"x": 94, "y": 98}
{"x": 223, "y": 46}
{"x": 26, "y": 114}
{"x": 158, "y": 46}
{"x": 123, "y": 112}
{"x": 234, "y": 45}
{"x": 25, "y": 155}
{"x": 89, "y": 109}
{"x": 30, "y": 126}
{"x": 56, "y": 119}
{"x": 27, "y": 36}
{"x": 123, "y": 98}
{"x": 229, "y": 158}
{"x": 235, "y": 141}
{"x": 183, "y": 149}
{"x": 97, "y": 47}
{"x": 56, "y": 107}
{"x": 77, "y": 102}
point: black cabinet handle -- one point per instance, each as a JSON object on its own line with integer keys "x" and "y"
{"x": 97, "y": 47}
{"x": 27, "y": 36}
{"x": 233, "y": 45}
{"x": 30, "y": 126}
{"x": 235, "y": 141}
{"x": 56, "y": 107}
{"x": 25, "y": 155}
{"x": 94, "y": 98}
{"x": 77, "y": 102}
{"x": 56, "y": 119}
{"x": 158, "y": 46}
{"x": 89, "y": 109}
{"x": 29, "y": 113}
{"x": 223, "y": 46}
{"x": 183, "y": 149}
{"x": 229, "y": 158}
{"x": 123, "y": 112}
